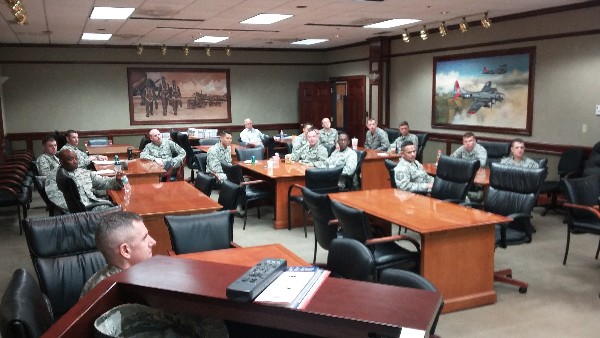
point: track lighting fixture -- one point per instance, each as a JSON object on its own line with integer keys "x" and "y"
{"x": 486, "y": 22}
{"x": 228, "y": 51}
{"x": 443, "y": 29}
{"x": 163, "y": 50}
{"x": 207, "y": 49}
{"x": 18, "y": 11}
{"x": 186, "y": 50}
{"x": 424, "y": 34}
{"x": 406, "y": 36}
{"x": 139, "y": 49}
{"x": 463, "y": 25}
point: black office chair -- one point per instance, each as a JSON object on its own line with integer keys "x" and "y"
{"x": 592, "y": 164}
{"x": 173, "y": 135}
{"x": 269, "y": 145}
{"x": 569, "y": 164}
{"x": 496, "y": 151}
{"x": 205, "y": 183}
{"x": 98, "y": 141}
{"x": 513, "y": 193}
{"x": 67, "y": 185}
{"x": 453, "y": 178}
{"x": 319, "y": 206}
{"x": 202, "y": 160}
{"x": 229, "y": 195}
{"x": 25, "y": 312}
{"x": 354, "y": 181}
{"x": 350, "y": 259}
{"x": 330, "y": 148}
{"x": 209, "y": 141}
{"x": 64, "y": 254}
{"x": 412, "y": 280}
{"x": 355, "y": 224}
{"x": 40, "y": 186}
{"x": 582, "y": 195}
{"x": 200, "y": 232}
{"x": 392, "y": 133}
{"x": 319, "y": 180}
{"x": 390, "y": 165}
{"x": 423, "y": 138}
{"x": 254, "y": 191}
{"x": 190, "y": 159}
{"x": 244, "y": 154}
{"x": 143, "y": 142}
{"x": 15, "y": 192}
{"x": 542, "y": 162}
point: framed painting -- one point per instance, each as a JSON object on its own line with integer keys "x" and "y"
{"x": 488, "y": 91}
{"x": 167, "y": 96}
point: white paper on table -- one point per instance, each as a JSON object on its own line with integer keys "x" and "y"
{"x": 105, "y": 172}
{"x": 103, "y": 162}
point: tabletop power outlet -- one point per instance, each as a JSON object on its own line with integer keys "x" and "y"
{"x": 249, "y": 285}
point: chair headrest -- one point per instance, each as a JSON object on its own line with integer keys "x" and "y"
{"x": 516, "y": 179}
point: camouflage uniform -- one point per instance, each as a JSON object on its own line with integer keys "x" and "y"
{"x": 315, "y": 156}
{"x": 216, "y": 154}
{"x": 90, "y": 186}
{"x": 98, "y": 277}
{"x": 299, "y": 141}
{"x": 411, "y": 176}
{"x": 83, "y": 160}
{"x": 330, "y": 137}
{"x": 525, "y": 162}
{"x": 397, "y": 144}
{"x": 347, "y": 159}
{"x": 478, "y": 153}
{"x": 165, "y": 152}
{"x": 379, "y": 141}
{"x": 47, "y": 164}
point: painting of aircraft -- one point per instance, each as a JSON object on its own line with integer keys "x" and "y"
{"x": 500, "y": 70}
{"x": 487, "y": 97}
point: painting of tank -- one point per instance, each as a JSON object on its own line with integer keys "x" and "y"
{"x": 168, "y": 96}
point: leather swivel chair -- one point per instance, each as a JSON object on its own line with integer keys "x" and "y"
{"x": 569, "y": 165}
{"x": 244, "y": 154}
{"x": 355, "y": 224}
{"x": 67, "y": 185}
{"x": 319, "y": 206}
{"x": 513, "y": 193}
{"x": 190, "y": 159}
{"x": 253, "y": 191}
{"x": 202, "y": 160}
{"x": 354, "y": 181}
{"x": 40, "y": 185}
{"x": 592, "y": 164}
{"x": 412, "y": 280}
{"x": 15, "y": 191}
{"x": 350, "y": 259}
{"x": 200, "y": 232}
{"x": 64, "y": 254}
{"x": 209, "y": 141}
{"x": 423, "y": 138}
{"x": 205, "y": 183}
{"x": 453, "y": 178}
{"x": 583, "y": 196}
{"x": 390, "y": 165}
{"x": 392, "y": 133}
{"x": 143, "y": 142}
{"x": 25, "y": 311}
{"x": 97, "y": 142}
{"x": 495, "y": 150}
{"x": 319, "y": 180}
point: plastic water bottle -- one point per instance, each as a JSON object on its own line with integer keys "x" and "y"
{"x": 281, "y": 135}
{"x": 439, "y": 154}
{"x": 117, "y": 164}
{"x": 126, "y": 185}
{"x": 253, "y": 159}
{"x": 276, "y": 160}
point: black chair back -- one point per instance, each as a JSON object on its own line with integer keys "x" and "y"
{"x": 390, "y": 165}
{"x": 67, "y": 185}
{"x": 269, "y": 144}
{"x": 453, "y": 179}
{"x": 542, "y": 162}
{"x": 423, "y": 138}
{"x": 202, "y": 160}
{"x": 322, "y": 180}
{"x": 184, "y": 142}
{"x": 330, "y": 148}
{"x": 319, "y": 206}
{"x": 354, "y": 222}
{"x": 392, "y": 133}
{"x": 143, "y": 142}
{"x": 209, "y": 141}
{"x": 173, "y": 133}
{"x": 40, "y": 186}
{"x": 244, "y": 154}
{"x": 592, "y": 164}
{"x": 229, "y": 195}
{"x": 351, "y": 259}
{"x": 205, "y": 183}
{"x": 64, "y": 254}
{"x": 98, "y": 141}
{"x": 233, "y": 172}
{"x": 200, "y": 232}
{"x": 583, "y": 191}
{"x": 571, "y": 160}
{"x": 25, "y": 311}
{"x": 357, "y": 177}
{"x": 495, "y": 150}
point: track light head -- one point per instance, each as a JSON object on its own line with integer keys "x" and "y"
{"x": 139, "y": 49}
{"x": 463, "y": 25}
{"x": 163, "y": 50}
{"x": 443, "y": 29}
{"x": 486, "y": 22}
{"x": 207, "y": 49}
{"x": 186, "y": 50}
{"x": 228, "y": 51}
{"x": 424, "y": 33}
{"x": 406, "y": 36}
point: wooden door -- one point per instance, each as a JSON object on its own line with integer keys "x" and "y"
{"x": 355, "y": 114}
{"x": 315, "y": 102}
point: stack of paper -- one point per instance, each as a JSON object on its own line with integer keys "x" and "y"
{"x": 294, "y": 288}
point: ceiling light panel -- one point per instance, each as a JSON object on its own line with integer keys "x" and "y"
{"x": 266, "y": 19}
{"x": 95, "y": 37}
{"x": 211, "y": 39}
{"x": 307, "y": 42}
{"x": 111, "y": 13}
{"x": 392, "y": 23}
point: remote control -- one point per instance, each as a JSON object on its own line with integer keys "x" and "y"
{"x": 249, "y": 285}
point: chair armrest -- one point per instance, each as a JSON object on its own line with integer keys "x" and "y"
{"x": 170, "y": 252}
{"x": 594, "y": 211}
{"x": 519, "y": 215}
{"x": 295, "y": 185}
{"x": 252, "y": 182}
{"x": 235, "y": 245}
{"x": 394, "y": 238}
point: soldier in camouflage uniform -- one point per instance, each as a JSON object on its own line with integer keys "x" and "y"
{"x": 409, "y": 173}
{"x": 327, "y": 135}
{"x": 376, "y": 138}
{"x": 471, "y": 149}
{"x": 312, "y": 153}
{"x": 220, "y": 151}
{"x": 517, "y": 156}
{"x": 161, "y": 151}
{"x": 344, "y": 157}
{"x": 47, "y": 163}
{"x": 82, "y": 158}
{"x": 92, "y": 187}
{"x": 301, "y": 140}
{"x": 405, "y": 135}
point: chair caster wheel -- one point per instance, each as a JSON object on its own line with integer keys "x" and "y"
{"x": 522, "y": 290}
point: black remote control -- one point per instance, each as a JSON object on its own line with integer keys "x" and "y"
{"x": 249, "y": 285}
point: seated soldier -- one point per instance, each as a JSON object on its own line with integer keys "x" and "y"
{"x": 166, "y": 153}
{"x": 405, "y": 135}
{"x": 220, "y": 151}
{"x": 376, "y": 137}
{"x": 47, "y": 163}
{"x": 409, "y": 173}
{"x": 312, "y": 153}
{"x": 328, "y": 135}
{"x": 343, "y": 157}
{"x": 83, "y": 159}
{"x": 517, "y": 156}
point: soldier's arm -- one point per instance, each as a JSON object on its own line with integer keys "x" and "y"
{"x": 180, "y": 154}
{"x": 145, "y": 154}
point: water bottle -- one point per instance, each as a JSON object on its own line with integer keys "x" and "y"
{"x": 439, "y": 154}
{"x": 126, "y": 185}
{"x": 129, "y": 153}
{"x": 253, "y": 159}
{"x": 281, "y": 135}
{"x": 117, "y": 164}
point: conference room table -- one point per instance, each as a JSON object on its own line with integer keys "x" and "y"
{"x": 374, "y": 172}
{"x": 154, "y": 201}
{"x": 113, "y": 149}
{"x": 339, "y": 308}
{"x": 138, "y": 170}
{"x": 247, "y": 256}
{"x": 482, "y": 177}
{"x": 457, "y": 243}
{"x": 281, "y": 177}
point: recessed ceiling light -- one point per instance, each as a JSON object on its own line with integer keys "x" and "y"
{"x": 211, "y": 39}
{"x": 266, "y": 19}
{"x": 392, "y": 23}
{"x": 96, "y": 36}
{"x": 309, "y": 41}
{"x": 111, "y": 13}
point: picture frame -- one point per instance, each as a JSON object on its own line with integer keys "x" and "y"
{"x": 177, "y": 96}
{"x": 488, "y": 91}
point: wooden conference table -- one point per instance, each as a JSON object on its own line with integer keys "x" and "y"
{"x": 138, "y": 170}
{"x": 113, "y": 149}
{"x": 247, "y": 256}
{"x": 374, "y": 172}
{"x": 340, "y": 308}
{"x": 153, "y": 201}
{"x": 457, "y": 243}
{"x": 482, "y": 177}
